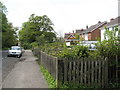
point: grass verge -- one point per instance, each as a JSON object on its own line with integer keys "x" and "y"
{"x": 50, "y": 80}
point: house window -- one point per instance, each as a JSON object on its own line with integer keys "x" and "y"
{"x": 112, "y": 28}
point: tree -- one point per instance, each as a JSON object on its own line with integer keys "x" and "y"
{"x": 50, "y": 37}
{"x": 110, "y": 47}
{"x": 9, "y": 36}
{"x": 38, "y": 29}
{"x": 112, "y": 34}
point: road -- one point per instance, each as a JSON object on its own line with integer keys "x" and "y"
{"x": 7, "y": 64}
{"x": 25, "y": 74}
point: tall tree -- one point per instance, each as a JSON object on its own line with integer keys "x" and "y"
{"x": 37, "y": 29}
{"x": 8, "y": 33}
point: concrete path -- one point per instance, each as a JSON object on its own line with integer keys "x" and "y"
{"x": 26, "y": 74}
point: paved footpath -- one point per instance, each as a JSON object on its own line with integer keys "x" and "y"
{"x": 25, "y": 74}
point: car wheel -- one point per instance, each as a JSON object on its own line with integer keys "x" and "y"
{"x": 18, "y": 56}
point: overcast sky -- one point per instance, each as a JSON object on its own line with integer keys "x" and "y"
{"x": 67, "y": 15}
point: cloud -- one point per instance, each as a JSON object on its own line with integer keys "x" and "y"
{"x": 65, "y": 14}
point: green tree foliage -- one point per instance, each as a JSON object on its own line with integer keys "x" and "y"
{"x": 110, "y": 47}
{"x": 59, "y": 49}
{"x": 38, "y": 30}
{"x": 75, "y": 52}
{"x": 9, "y": 36}
{"x": 77, "y": 36}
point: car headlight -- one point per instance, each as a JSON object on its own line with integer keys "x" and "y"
{"x": 18, "y": 52}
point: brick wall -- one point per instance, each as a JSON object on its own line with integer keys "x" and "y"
{"x": 95, "y": 35}
{"x": 89, "y": 36}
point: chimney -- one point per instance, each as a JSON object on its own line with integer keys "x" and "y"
{"x": 87, "y": 27}
{"x": 73, "y": 31}
{"x": 99, "y": 21}
{"x": 82, "y": 29}
{"x": 111, "y": 19}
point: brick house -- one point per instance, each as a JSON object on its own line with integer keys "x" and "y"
{"x": 93, "y": 32}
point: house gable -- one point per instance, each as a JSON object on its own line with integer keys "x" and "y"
{"x": 71, "y": 37}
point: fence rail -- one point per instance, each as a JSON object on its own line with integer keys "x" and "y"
{"x": 84, "y": 71}
{"x": 50, "y": 63}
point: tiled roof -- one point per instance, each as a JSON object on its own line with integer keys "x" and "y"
{"x": 94, "y": 27}
{"x": 113, "y": 22}
{"x": 68, "y": 35}
{"x": 79, "y": 30}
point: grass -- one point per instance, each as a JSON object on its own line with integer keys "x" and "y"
{"x": 50, "y": 80}
{"x": 66, "y": 85}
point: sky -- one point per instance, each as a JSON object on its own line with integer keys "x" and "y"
{"x": 67, "y": 15}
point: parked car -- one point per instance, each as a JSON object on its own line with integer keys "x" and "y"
{"x": 15, "y": 51}
{"x": 90, "y": 46}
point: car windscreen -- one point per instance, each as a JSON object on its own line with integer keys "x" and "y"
{"x": 15, "y": 48}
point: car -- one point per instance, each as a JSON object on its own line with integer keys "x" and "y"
{"x": 92, "y": 47}
{"x": 15, "y": 51}
{"x": 89, "y": 45}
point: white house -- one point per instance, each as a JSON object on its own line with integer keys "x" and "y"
{"x": 111, "y": 25}
{"x": 86, "y": 36}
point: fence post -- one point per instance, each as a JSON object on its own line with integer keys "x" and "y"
{"x": 106, "y": 71}
{"x": 81, "y": 72}
{"x": 57, "y": 83}
{"x": 116, "y": 69}
{"x": 60, "y": 72}
{"x": 92, "y": 73}
{"x": 100, "y": 74}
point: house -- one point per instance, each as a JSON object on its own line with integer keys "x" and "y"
{"x": 92, "y": 33}
{"x": 111, "y": 25}
{"x": 71, "y": 39}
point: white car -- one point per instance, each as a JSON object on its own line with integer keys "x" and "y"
{"x": 15, "y": 51}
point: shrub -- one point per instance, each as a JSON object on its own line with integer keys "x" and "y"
{"x": 74, "y": 52}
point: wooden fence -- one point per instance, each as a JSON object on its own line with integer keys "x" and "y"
{"x": 50, "y": 63}
{"x": 83, "y": 71}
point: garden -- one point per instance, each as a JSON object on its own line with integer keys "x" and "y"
{"x": 108, "y": 48}
{"x": 42, "y": 37}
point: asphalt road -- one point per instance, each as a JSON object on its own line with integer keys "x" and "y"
{"x": 7, "y": 64}
{"x": 25, "y": 74}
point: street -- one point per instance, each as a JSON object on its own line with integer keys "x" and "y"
{"x": 7, "y": 64}
{"x": 25, "y": 74}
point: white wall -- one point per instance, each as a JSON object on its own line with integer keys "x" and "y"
{"x": 103, "y": 31}
{"x": 102, "y": 34}
{"x": 86, "y": 36}
{"x": 67, "y": 43}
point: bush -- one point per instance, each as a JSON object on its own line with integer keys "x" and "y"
{"x": 74, "y": 52}
{"x": 108, "y": 48}
{"x": 26, "y": 46}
